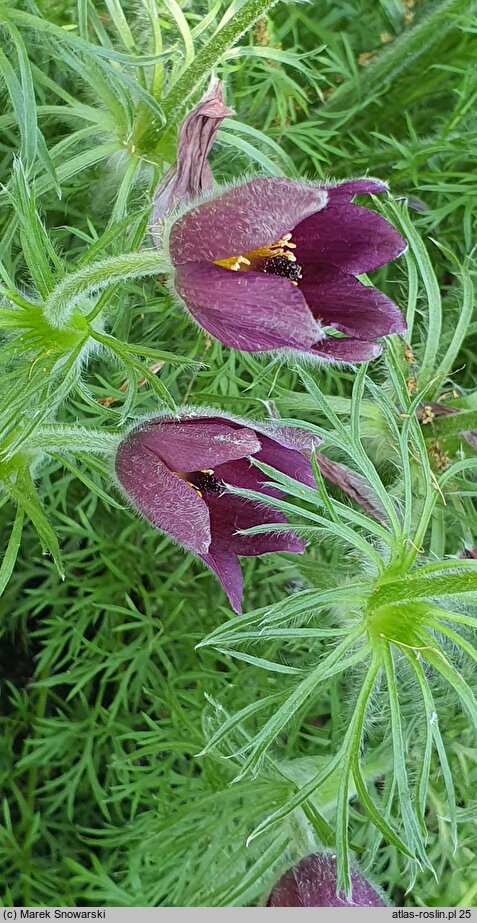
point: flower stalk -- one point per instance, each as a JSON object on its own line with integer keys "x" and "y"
{"x": 59, "y": 306}
{"x": 205, "y": 61}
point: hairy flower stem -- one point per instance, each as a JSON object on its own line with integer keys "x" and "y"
{"x": 194, "y": 75}
{"x": 74, "y": 439}
{"x": 59, "y": 305}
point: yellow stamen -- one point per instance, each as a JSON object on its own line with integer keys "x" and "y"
{"x": 253, "y": 258}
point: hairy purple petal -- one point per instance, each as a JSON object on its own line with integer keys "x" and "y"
{"x": 226, "y": 566}
{"x": 250, "y": 311}
{"x": 346, "y": 349}
{"x": 296, "y": 464}
{"x": 312, "y": 883}
{"x": 191, "y": 445}
{"x": 229, "y": 514}
{"x": 290, "y": 461}
{"x": 342, "y": 193}
{"x": 245, "y": 218}
{"x": 348, "y": 237}
{"x": 341, "y": 301}
{"x": 191, "y": 174}
{"x": 292, "y": 437}
{"x": 163, "y": 498}
{"x": 246, "y": 476}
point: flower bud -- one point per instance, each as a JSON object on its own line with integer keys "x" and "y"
{"x": 312, "y": 883}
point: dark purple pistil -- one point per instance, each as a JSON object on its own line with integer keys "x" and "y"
{"x": 282, "y": 266}
{"x": 204, "y": 481}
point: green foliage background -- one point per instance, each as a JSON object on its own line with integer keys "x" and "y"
{"x": 119, "y": 741}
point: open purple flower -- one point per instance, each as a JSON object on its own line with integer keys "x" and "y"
{"x": 176, "y": 471}
{"x": 268, "y": 264}
{"x": 312, "y": 883}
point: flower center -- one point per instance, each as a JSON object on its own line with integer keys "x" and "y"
{"x": 275, "y": 259}
{"x": 202, "y": 481}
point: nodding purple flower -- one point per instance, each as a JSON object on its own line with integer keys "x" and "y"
{"x": 191, "y": 175}
{"x": 312, "y": 883}
{"x": 175, "y": 471}
{"x": 269, "y": 264}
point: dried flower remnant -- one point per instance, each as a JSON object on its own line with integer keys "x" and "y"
{"x": 175, "y": 472}
{"x": 191, "y": 175}
{"x": 312, "y": 883}
{"x": 438, "y": 455}
{"x": 269, "y": 264}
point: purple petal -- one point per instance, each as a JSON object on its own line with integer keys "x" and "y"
{"x": 250, "y": 311}
{"x": 292, "y": 437}
{"x": 344, "y": 192}
{"x": 245, "y": 218}
{"x": 348, "y": 237}
{"x": 230, "y": 514}
{"x": 312, "y": 883}
{"x": 226, "y": 565}
{"x": 246, "y": 476}
{"x": 341, "y": 301}
{"x": 344, "y": 349}
{"x": 162, "y": 497}
{"x": 192, "y": 445}
{"x": 290, "y": 461}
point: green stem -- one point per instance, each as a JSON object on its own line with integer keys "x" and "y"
{"x": 59, "y": 305}
{"x": 194, "y": 75}
{"x": 74, "y": 439}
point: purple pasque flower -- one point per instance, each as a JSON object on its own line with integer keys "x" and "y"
{"x": 312, "y": 883}
{"x": 175, "y": 472}
{"x": 191, "y": 175}
{"x": 268, "y": 264}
